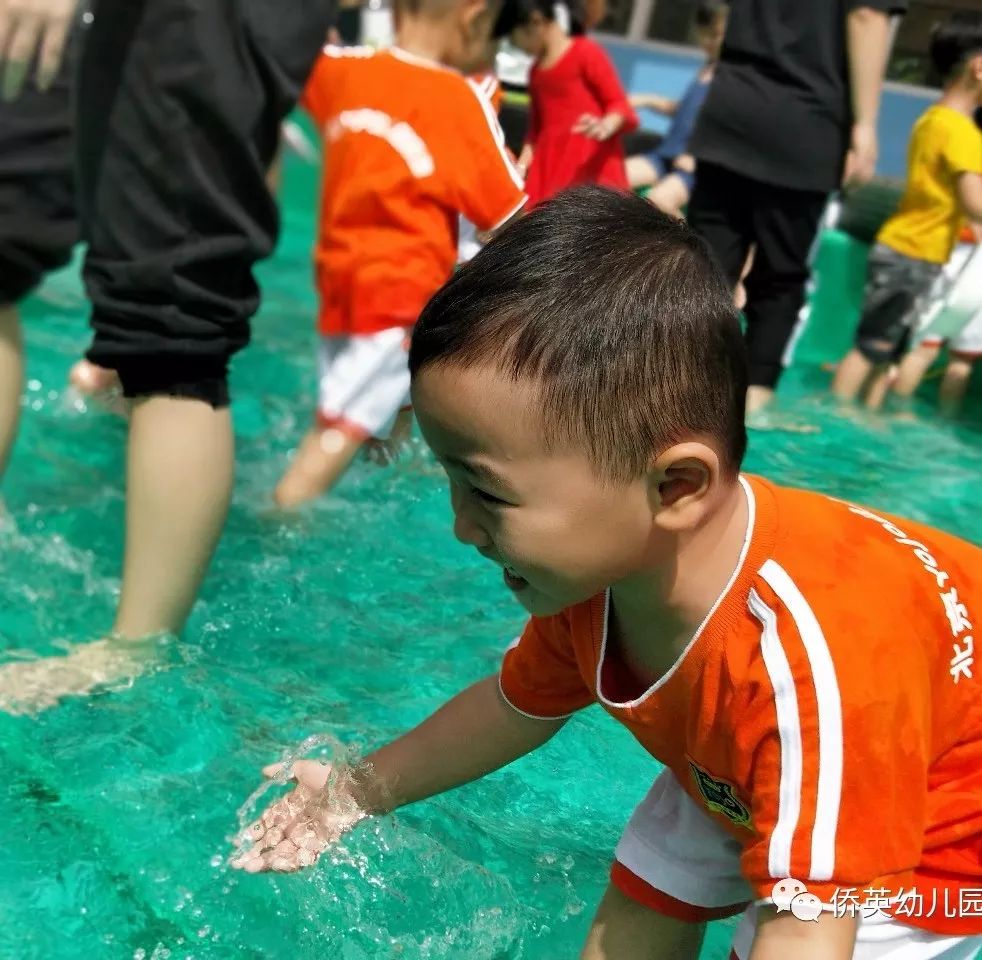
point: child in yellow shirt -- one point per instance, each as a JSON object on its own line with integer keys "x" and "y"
{"x": 944, "y": 186}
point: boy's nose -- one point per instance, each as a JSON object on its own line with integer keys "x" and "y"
{"x": 465, "y": 528}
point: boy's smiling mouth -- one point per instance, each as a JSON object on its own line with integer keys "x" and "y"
{"x": 513, "y": 581}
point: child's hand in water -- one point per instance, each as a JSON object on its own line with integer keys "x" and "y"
{"x": 294, "y": 831}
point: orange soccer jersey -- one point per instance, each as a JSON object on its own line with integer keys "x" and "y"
{"x": 409, "y": 145}
{"x": 827, "y": 713}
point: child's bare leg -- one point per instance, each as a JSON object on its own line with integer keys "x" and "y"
{"x": 670, "y": 195}
{"x": 11, "y": 380}
{"x": 913, "y": 367}
{"x": 640, "y": 172}
{"x": 323, "y": 456}
{"x": 850, "y": 375}
{"x": 384, "y": 452}
{"x": 179, "y": 483}
{"x": 954, "y": 384}
{"x": 626, "y": 930}
{"x": 879, "y": 384}
{"x": 758, "y": 397}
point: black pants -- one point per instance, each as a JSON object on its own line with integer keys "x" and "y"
{"x": 179, "y": 106}
{"x": 38, "y": 221}
{"x": 734, "y": 214}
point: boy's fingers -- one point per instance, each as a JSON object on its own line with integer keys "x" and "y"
{"x": 242, "y": 862}
{"x": 272, "y": 770}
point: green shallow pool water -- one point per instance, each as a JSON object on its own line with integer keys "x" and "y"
{"x": 355, "y": 619}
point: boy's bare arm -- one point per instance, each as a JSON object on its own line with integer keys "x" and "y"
{"x": 868, "y": 36}
{"x": 969, "y": 188}
{"x": 472, "y": 735}
{"x": 781, "y": 935}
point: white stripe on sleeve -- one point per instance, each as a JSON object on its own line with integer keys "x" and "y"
{"x": 789, "y": 732}
{"x": 496, "y": 132}
{"x": 830, "y": 745}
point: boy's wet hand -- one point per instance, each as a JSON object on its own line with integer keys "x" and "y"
{"x": 294, "y": 831}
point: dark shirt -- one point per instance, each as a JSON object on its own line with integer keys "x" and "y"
{"x": 778, "y": 109}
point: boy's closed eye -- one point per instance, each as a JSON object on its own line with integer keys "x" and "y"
{"x": 489, "y": 498}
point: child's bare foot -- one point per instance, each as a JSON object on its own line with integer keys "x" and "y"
{"x": 90, "y": 379}
{"x": 29, "y": 686}
{"x": 323, "y": 456}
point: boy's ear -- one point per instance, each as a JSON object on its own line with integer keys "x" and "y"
{"x": 682, "y": 484}
{"x": 478, "y": 15}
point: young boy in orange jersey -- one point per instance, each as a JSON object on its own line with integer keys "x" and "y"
{"x": 469, "y": 239}
{"x": 803, "y": 667}
{"x": 410, "y": 144}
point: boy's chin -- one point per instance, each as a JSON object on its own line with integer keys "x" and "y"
{"x": 538, "y": 604}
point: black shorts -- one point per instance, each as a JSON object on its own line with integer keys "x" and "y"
{"x": 38, "y": 223}
{"x": 179, "y": 107}
{"x": 896, "y": 294}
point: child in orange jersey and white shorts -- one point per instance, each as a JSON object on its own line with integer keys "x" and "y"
{"x": 470, "y": 240}
{"x": 804, "y": 668}
{"x": 410, "y": 145}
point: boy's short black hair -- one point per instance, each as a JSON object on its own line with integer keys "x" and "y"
{"x": 954, "y": 41}
{"x": 621, "y": 316}
{"x": 708, "y": 11}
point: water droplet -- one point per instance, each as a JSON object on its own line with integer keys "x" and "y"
{"x": 217, "y": 860}
{"x": 204, "y": 931}
{"x": 139, "y": 954}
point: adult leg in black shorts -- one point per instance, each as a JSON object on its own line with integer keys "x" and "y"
{"x": 735, "y": 213}
{"x": 179, "y": 106}
{"x": 38, "y": 224}
{"x": 180, "y": 103}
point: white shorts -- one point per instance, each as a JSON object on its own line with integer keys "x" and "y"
{"x": 364, "y": 382}
{"x": 956, "y": 316}
{"x": 673, "y": 848}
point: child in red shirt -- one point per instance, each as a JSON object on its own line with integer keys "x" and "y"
{"x": 410, "y": 144}
{"x": 579, "y": 109}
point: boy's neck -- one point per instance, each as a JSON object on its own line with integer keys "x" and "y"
{"x": 423, "y": 38}
{"x": 962, "y": 97}
{"x": 658, "y": 611}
